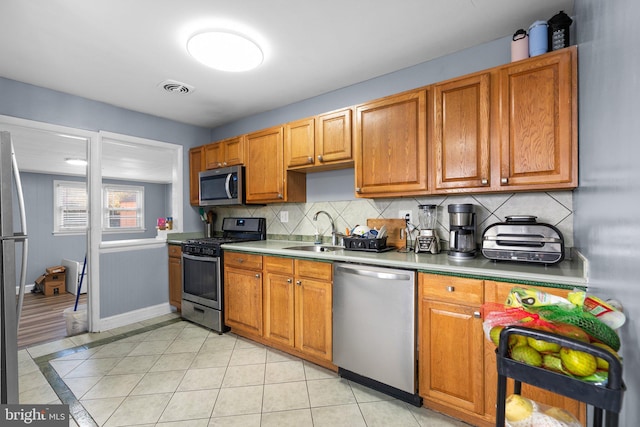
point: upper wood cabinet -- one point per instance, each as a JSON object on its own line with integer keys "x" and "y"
{"x": 299, "y": 143}
{"x": 538, "y": 123}
{"x": 508, "y": 128}
{"x": 461, "y": 133}
{"x": 228, "y": 152}
{"x": 196, "y": 165}
{"x": 333, "y": 138}
{"x": 391, "y": 146}
{"x": 266, "y": 179}
{"x": 319, "y": 143}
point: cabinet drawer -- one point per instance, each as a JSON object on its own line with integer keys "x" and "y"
{"x": 242, "y": 260}
{"x": 274, "y": 264}
{"x": 314, "y": 269}
{"x": 452, "y": 289}
{"x": 175, "y": 251}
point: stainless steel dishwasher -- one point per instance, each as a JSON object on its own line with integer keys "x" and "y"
{"x": 374, "y": 328}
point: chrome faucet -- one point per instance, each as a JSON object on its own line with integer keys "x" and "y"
{"x": 334, "y": 232}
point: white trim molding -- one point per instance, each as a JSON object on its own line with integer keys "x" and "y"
{"x": 134, "y": 316}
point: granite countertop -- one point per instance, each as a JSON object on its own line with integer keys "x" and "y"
{"x": 178, "y": 238}
{"x": 567, "y": 273}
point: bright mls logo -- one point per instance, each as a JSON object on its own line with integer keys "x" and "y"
{"x": 34, "y": 415}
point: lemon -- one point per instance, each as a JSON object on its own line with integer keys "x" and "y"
{"x": 517, "y": 340}
{"x": 518, "y": 408}
{"x": 514, "y": 340}
{"x": 603, "y": 364}
{"x": 526, "y": 354}
{"x": 494, "y": 334}
{"x": 577, "y": 362}
{"x": 543, "y": 346}
{"x": 552, "y": 362}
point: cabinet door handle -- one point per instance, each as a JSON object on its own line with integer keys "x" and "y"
{"x": 310, "y": 159}
{"x": 504, "y": 181}
{"x": 476, "y": 314}
{"x": 298, "y": 282}
{"x": 257, "y": 275}
{"x": 320, "y": 158}
{"x": 279, "y": 195}
{"x": 289, "y": 280}
{"x": 451, "y": 288}
{"x": 240, "y": 260}
{"x": 224, "y": 163}
{"x": 358, "y": 190}
{"x": 484, "y": 181}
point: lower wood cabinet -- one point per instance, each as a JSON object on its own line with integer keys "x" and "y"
{"x": 456, "y": 363}
{"x": 451, "y": 342}
{"x": 297, "y": 305}
{"x": 175, "y": 276}
{"x": 243, "y": 292}
{"x": 286, "y": 303}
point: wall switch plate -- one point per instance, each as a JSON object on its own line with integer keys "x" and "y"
{"x": 403, "y": 215}
{"x": 284, "y": 216}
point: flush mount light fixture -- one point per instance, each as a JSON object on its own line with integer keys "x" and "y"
{"x": 76, "y": 162}
{"x": 225, "y": 51}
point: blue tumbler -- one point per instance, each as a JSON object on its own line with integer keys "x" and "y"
{"x": 538, "y": 38}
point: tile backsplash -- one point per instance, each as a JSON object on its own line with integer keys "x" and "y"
{"x": 555, "y": 208}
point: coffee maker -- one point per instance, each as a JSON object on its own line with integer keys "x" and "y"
{"x": 462, "y": 231}
{"x": 427, "y": 240}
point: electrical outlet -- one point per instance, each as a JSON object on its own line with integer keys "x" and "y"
{"x": 284, "y": 216}
{"x": 403, "y": 215}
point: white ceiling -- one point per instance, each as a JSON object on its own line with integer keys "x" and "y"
{"x": 118, "y": 51}
{"x": 45, "y": 151}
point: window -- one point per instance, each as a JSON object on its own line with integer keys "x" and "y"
{"x": 122, "y": 207}
{"x": 70, "y": 207}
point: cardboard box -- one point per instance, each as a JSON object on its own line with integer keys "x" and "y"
{"x": 54, "y": 288}
{"x": 56, "y": 269}
{"x": 51, "y": 284}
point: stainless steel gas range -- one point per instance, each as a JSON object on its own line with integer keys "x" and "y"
{"x": 202, "y": 275}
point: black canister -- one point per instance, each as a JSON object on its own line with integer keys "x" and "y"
{"x": 559, "y": 31}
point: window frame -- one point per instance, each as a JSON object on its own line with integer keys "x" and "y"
{"x": 106, "y": 189}
{"x": 59, "y": 229}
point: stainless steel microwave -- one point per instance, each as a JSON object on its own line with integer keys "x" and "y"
{"x": 223, "y": 186}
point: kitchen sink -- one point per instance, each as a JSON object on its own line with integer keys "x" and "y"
{"x": 315, "y": 248}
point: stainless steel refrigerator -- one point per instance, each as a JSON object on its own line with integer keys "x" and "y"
{"x": 11, "y": 306}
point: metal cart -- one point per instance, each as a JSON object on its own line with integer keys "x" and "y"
{"x": 607, "y": 398}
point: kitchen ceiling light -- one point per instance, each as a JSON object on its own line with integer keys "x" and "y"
{"x": 76, "y": 162}
{"x": 225, "y": 51}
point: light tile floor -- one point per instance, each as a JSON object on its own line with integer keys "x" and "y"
{"x": 168, "y": 372}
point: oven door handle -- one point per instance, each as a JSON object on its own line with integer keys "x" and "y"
{"x": 200, "y": 258}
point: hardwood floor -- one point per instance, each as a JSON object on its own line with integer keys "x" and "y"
{"x": 42, "y": 318}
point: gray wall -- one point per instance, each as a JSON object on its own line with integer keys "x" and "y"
{"x": 606, "y": 223}
{"x": 35, "y": 103}
{"x": 133, "y": 280}
{"x": 45, "y": 249}
{"x": 466, "y": 61}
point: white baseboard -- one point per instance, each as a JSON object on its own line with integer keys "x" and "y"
{"x": 130, "y": 317}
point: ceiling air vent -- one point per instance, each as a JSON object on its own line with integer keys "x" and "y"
{"x": 176, "y": 87}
